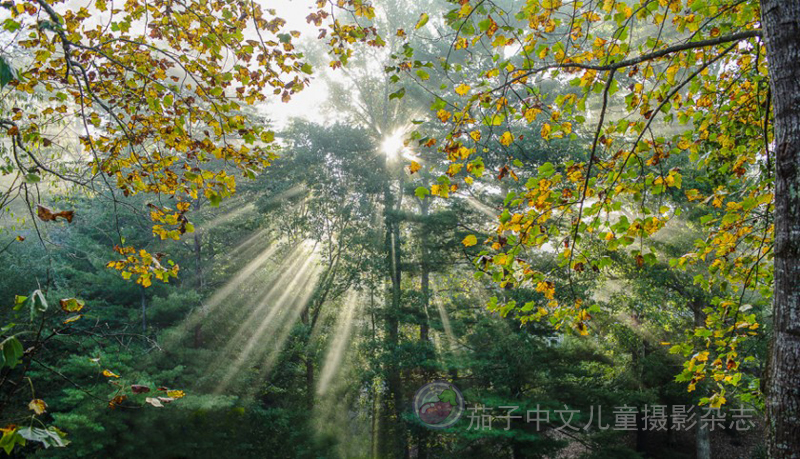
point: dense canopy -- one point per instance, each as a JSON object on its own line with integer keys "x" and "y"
{"x": 481, "y": 228}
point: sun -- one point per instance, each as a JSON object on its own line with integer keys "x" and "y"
{"x": 393, "y": 145}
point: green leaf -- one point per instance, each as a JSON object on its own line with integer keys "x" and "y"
{"x": 306, "y": 68}
{"x": 546, "y": 170}
{"x": 438, "y": 104}
{"x": 423, "y": 19}
{"x": 7, "y": 73}
{"x": 449, "y": 396}
{"x": 11, "y": 25}
{"x": 10, "y": 439}
{"x": 215, "y": 199}
{"x": 19, "y": 301}
{"x": 398, "y": 94}
{"x": 421, "y": 192}
{"x": 12, "y": 351}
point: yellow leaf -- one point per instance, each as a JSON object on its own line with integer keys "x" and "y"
{"x": 38, "y": 406}
{"x": 462, "y": 89}
{"x": 71, "y": 305}
{"x": 175, "y": 393}
{"x": 702, "y": 357}
{"x": 414, "y": 167}
{"x": 110, "y": 374}
{"x": 476, "y": 135}
{"x": 73, "y": 318}
{"x": 546, "y": 129}
{"x": 506, "y": 138}
{"x": 543, "y": 53}
{"x": 530, "y": 114}
{"x": 470, "y": 240}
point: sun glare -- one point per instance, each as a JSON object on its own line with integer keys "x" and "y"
{"x": 393, "y": 146}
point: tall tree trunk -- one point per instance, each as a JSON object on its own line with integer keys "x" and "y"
{"x": 424, "y": 286}
{"x": 702, "y": 438}
{"x": 781, "y": 22}
{"x": 309, "y": 361}
{"x": 396, "y": 447}
{"x": 425, "y": 270}
{"x": 198, "y": 274}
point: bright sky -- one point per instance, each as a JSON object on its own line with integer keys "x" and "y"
{"x": 307, "y": 104}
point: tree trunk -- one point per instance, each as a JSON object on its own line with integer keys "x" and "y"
{"x": 396, "y": 446}
{"x": 424, "y": 280}
{"x": 424, "y": 286}
{"x": 781, "y": 23}
{"x": 309, "y": 361}
{"x": 310, "y": 382}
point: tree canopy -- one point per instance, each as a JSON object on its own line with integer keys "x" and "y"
{"x": 544, "y": 203}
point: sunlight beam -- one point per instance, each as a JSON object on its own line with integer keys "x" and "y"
{"x": 341, "y": 337}
{"x": 271, "y": 321}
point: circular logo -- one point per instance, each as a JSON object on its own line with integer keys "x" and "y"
{"x": 438, "y": 404}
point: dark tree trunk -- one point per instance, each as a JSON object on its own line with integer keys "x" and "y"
{"x": 424, "y": 279}
{"x": 308, "y": 361}
{"x": 702, "y": 438}
{"x": 781, "y": 22}
{"x": 425, "y": 291}
{"x": 310, "y": 382}
{"x": 395, "y": 444}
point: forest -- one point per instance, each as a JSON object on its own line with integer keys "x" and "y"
{"x": 400, "y": 229}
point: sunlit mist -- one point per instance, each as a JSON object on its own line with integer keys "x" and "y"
{"x": 271, "y": 316}
{"x": 481, "y": 207}
{"x": 445, "y": 318}
{"x": 341, "y": 337}
{"x": 223, "y": 294}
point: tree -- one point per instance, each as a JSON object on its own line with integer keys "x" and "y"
{"x": 781, "y": 20}
{"x": 656, "y": 82}
{"x": 141, "y": 99}
{"x": 187, "y": 70}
